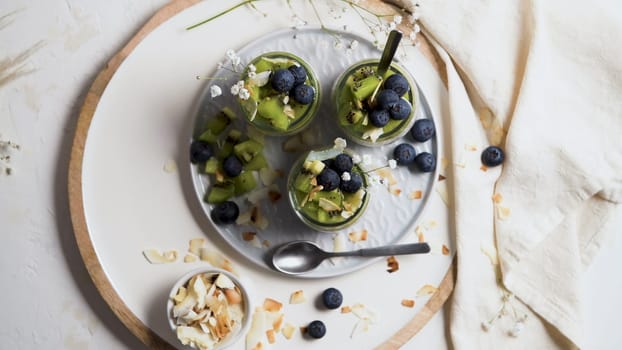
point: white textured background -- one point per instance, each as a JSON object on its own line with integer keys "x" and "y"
{"x": 49, "y": 300}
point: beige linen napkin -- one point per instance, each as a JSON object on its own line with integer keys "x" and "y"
{"x": 543, "y": 80}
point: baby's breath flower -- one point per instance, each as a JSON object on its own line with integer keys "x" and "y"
{"x": 237, "y": 87}
{"x": 517, "y": 329}
{"x": 354, "y": 44}
{"x": 392, "y": 163}
{"x": 244, "y": 94}
{"x": 356, "y": 158}
{"x": 416, "y": 28}
{"x": 215, "y": 91}
{"x": 412, "y": 36}
{"x": 366, "y": 159}
{"x": 397, "y": 19}
{"x": 252, "y": 68}
{"x": 286, "y": 99}
{"x": 346, "y": 176}
{"x": 231, "y": 55}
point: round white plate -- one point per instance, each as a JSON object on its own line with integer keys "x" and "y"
{"x": 134, "y": 197}
{"x": 389, "y": 216}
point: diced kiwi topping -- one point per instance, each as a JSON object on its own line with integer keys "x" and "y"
{"x": 230, "y": 176}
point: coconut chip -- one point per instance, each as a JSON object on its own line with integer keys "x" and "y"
{"x": 427, "y": 289}
{"x": 297, "y": 297}
{"x": 483, "y": 168}
{"x": 268, "y": 176}
{"x": 387, "y": 174}
{"x": 394, "y": 190}
{"x": 271, "y": 336}
{"x": 339, "y": 245}
{"x": 357, "y": 236}
{"x": 216, "y": 259}
{"x": 272, "y": 305}
{"x": 288, "y": 331}
{"x": 189, "y": 258}
{"x": 497, "y": 198}
{"x": 274, "y": 196}
{"x": 195, "y": 245}
{"x": 256, "y": 330}
{"x": 392, "y": 264}
{"x": 502, "y": 212}
{"x": 445, "y": 250}
{"x": 372, "y": 134}
{"x": 155, "y": 257}
{"x": 441, "y": 189}
{"x": 408, "y": 302}
{"x": 346, "y": 309}
{"x": 416, "y": 195}
{"x": 491, "y": 253}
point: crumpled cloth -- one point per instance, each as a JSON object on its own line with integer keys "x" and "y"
{"x": 542, "y": 80}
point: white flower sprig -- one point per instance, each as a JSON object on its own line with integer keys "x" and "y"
{"x": 507, "y": 303}
{"x": 6, "y": 148}
{"x": 240, "y": 91}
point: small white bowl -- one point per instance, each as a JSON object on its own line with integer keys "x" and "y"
{"x": 246, "y": 299}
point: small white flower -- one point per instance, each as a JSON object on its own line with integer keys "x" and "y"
{"x": 391, "y": 26}
{"x": 412, "y": 36}
{"x": 397, "y": 19}
{"x": 356, "y": 158}
{"x": 244, "y": 94}
{"x": 236, "y": 61}
{"x": 252, "y": 75}
{"x": 346, "y": 176}
{"x": 252, "y": 68}
{"x": 340, "y": 143}
{"x": 235, "y": 89}
{"x": 231, "y": 55}
{"x": 215, "y": 91}
{"x": 366, "y": 159}
{"x": 392, "y": 163}
{"x": 354, "y": 44}
{"x": 220, "y": 65}
{"x": 517, "y": 329}
{"x": 286, "y": 99}
{"x": 346, "y": 214}
{"x": 412, "y": 19}
{"x": 416, "y": 28}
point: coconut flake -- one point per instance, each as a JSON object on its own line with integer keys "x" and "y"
{"x": 155, "y": 257}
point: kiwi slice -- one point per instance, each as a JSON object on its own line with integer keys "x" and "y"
{"x": 303, "y": 183}
{"x": 212, "y": 166}
{"x": 365, "y": 87}
{"x": 257, "y": 163}
{"x": 220, "y": 193}
{"x": 245, "y": 182}
{"x": 247, "y": 150}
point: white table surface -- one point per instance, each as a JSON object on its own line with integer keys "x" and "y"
{"x": 50, "y": 301}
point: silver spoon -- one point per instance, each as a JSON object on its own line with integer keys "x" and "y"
{"x": 298, "y": 257}
{"x": 390, "y": 47}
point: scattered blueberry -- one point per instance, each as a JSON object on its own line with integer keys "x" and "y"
{"x": 379, "y": 117}
{"x": 342, "y": 163}
{"x": 492, "y": 156}
{"x": 303, "y": 94}
{"x": 282, "y": 80}
{"x": 329, "y": 163}
{"x": 225, "y": 213}
{"x": 404, "y": 154}
{"x": 200, "y": 151}
{"x": 232, "y": 166}
{"x": 332, "y": 298}
{"x": 401, "y": 110}
{"x": 397, "y": 83}
{"x": 316, "y": 329}
{"x": 423, "y": 130}
{"x": 329, "y": 179}
{"x": 425, "y": 162}
{"x": 352, "y": 185}
{"x": 299, "y": 73}
{"x": 386, "y": 99}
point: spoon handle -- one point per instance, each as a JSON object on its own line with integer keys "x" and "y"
{"x": 393, "y": 42}
{"x": 398, "y": 249}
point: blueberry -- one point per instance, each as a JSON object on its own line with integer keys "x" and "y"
{"x": 316, "y": 329}
{"x": 386, "y": 99}
{"x": 404, "y": 154}
{"x": 332, "y": 298}
{"x": 423, "y": 130}
{"x": 425, "y": 162}
{"x": 401, "y": 110}
{"x": 342, "y": 163}
{"x": 352, "y": 185}
{"x": 299, "y": 73}
{"x": 282, "y": 80}
{"x": 329, "y": 163}
{"x": 397, "y": 83}
{"x": 379, "y": 117}
{"x": 232, "y": 166}
{"x": 492, "y": 156}
{"x": 200, "y": 151}
{"x": 329, "y": 179}
{"x": 303, "y": 94}
{"x": 225, "y": 213}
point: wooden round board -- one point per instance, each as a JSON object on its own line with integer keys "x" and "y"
{"x": 78, "y": 216}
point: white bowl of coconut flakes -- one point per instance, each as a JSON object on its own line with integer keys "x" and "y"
{"x": 208, "y": 308}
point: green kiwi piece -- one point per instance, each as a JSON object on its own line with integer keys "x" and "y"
{"x": 245, "y": 182}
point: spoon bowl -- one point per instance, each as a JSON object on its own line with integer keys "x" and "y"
{"x": 297, "y": 257}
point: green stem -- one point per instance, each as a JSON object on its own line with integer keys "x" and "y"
{"x": 221, "y": 14}
{"x": 324, "y": 28}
